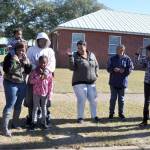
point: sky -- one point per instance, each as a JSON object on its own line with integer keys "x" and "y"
{"x": 138, "y": 6}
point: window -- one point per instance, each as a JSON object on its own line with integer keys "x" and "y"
{"x": 75, "y": 38}
{"x": 114, "y": 41}
{"x": 146, "y": 42}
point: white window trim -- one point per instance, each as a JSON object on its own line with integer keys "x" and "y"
{"x": 75, "y": 33}
{"x": 113, "y": 44}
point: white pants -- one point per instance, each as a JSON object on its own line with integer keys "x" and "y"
{"x": 83, "y": 92}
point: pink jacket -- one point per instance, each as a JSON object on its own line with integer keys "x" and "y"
{"x": 41, "y": 87}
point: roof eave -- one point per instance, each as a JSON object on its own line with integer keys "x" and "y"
{"x": 101, "y": 30}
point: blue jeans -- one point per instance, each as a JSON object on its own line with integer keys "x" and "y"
{"x": 117, "y": 93}
{"x": 83, "y": 92}
{"x": 14, "y": 94}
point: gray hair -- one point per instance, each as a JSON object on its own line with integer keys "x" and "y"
{"x": 121, "y": 47}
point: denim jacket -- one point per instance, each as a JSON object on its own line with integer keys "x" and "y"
{"x": 119, "y": 80}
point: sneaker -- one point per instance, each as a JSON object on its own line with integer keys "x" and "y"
{"x": 143, "y": 124}
{"x": 80, "y": 120}
{"x": 44, "y": 126}
{"x": 15, "y": 126}
{"x": 111, "y": 116}
{"x": 96, "y": 119}
{"x": 122, "y": 117}
{"x": 7, "y": 133}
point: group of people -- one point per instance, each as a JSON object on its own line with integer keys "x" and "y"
{"x": 28, "y": 77}
{"x": 85, "y": 67}
{"x": 85, "y": 72}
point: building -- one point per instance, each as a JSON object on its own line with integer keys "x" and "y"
{"x": 103, "y": 30}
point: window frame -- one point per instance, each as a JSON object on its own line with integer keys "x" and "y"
{"x": 110, "y": 53}
{"x": 75, "y": 42}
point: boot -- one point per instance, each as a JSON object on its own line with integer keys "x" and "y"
{"x": 32, "y": 126}
{"x": 15, "y": 120}
{"x": 6, "y": 119}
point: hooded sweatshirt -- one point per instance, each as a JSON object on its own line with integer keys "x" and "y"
{"x": 35, "y": 52}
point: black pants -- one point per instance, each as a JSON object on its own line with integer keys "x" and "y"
{"x": 147, "y": 101}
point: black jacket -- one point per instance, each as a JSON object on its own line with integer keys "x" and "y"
{"x": 85, "y": 71}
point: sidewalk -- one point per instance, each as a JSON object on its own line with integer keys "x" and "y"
{"x": 146, "y": 147}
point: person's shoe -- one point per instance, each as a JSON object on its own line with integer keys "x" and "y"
{"x": 32, "y": 127}
{"x": 122, "y": 117}
{"x": 111, "y": 116}
{"x": 15, "y": 126}
{"x": 96, "y": 119}
{"x": 5, "y": 124}
{"x": 44, "y": 126}
{"x": 7, "y": 133}
{"x": 143, "y": 124}
{"x": 28, "y": 121}
{"x": 80, "y": 120}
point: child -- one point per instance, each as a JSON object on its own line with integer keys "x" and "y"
{"x": 17, "y": 38}
{"x": 42, "y": 86}
{"x": 146, "y": 64}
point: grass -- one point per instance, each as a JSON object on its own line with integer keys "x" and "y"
{"x": 63, "y": 81}
{"x": 65, "y": 132}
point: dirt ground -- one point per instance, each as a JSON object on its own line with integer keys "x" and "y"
{"x": 65, "y": 132}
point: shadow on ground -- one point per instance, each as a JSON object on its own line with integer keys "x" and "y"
{"x": 73, "y": 135}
